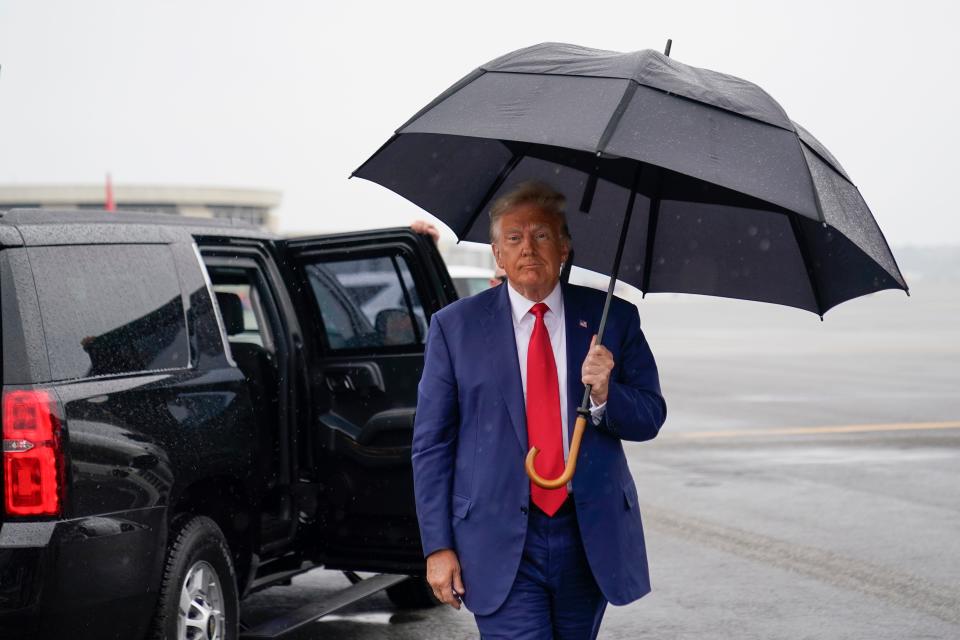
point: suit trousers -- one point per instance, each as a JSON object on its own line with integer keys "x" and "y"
{"x": 554, "y": 596}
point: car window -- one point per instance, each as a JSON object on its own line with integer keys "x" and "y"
{"x": 109, "y": 309}
{"x": 469, "y": 286}
{"x": 244, "y": 285}
{"x": 368, "y": 302}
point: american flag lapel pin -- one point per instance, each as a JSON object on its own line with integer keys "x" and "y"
{"x": 583, "y": 324}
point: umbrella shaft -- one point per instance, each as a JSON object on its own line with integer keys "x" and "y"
{"x": 614, "y": 272}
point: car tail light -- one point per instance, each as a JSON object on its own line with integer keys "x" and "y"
{"x": 32, "y": 456}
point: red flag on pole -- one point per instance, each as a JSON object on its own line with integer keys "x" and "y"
{"x": 110, "y": 203}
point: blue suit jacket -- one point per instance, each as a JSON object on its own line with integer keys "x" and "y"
{"x": 470, "y": 440}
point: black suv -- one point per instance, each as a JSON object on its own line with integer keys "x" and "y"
{"x": 193, "y": 410}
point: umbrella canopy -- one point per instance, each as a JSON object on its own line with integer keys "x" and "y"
{"x": 724, "y": 194}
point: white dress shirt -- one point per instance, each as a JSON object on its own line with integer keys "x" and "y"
{"x": 523, "y": 322}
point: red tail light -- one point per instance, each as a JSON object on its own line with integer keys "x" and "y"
{"x": 32, "y": 458}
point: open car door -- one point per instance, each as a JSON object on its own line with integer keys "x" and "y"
{"x": 367, "y": 299}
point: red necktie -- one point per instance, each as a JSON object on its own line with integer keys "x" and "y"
{"x": 543, "y": 413}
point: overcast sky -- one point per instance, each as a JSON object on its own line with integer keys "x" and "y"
{"x": 294, "y": 95}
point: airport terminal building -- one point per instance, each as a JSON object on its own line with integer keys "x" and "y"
{"x": 250, "y": 205}
{"x": 256, "y": 206}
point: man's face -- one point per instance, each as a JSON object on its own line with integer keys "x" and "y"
{"x": 530, "y": 248}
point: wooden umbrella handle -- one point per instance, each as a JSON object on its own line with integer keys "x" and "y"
{"x": 568, "y": 471}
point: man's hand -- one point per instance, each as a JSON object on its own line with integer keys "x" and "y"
{"x": 425, "y": 228}
{"x": 443, "y": 575}
{"x": 596, "y": 370}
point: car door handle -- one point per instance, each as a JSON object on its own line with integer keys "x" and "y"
{"x": 338, "y": 381}
{"x": 361, "y": 376}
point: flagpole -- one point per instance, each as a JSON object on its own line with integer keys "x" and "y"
{"x": 109, "y": 203}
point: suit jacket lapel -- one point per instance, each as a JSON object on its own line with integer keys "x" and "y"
{"x": 502, "y": 348}
{"x": 579, "y": 328}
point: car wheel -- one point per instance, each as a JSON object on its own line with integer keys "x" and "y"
{"x": 414, "y": 593}
{"x": 198, "y": 593}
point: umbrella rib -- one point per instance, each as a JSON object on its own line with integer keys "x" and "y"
{"x": 901, "y": 279}
{"x": 497, "y": 183}
{"x": 617, "y": 115}
{"x": 367, "y": 161}
{"x": 652, "y": 220}
{"x": 805, "y": 257}
{"x": 813, "y": 185}
{"x": 804, "y": 145}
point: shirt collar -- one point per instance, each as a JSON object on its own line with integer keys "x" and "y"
{"x": 520, "y": 306}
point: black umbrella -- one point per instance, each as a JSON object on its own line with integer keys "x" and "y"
{"x": 696, "y": 181}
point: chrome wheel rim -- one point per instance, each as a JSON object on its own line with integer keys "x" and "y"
{"x": 200, "y": 615}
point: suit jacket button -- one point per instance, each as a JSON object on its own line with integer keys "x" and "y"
{"x": 524, "y": 510}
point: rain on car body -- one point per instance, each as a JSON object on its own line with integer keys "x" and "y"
{"x": 193, "y": 412}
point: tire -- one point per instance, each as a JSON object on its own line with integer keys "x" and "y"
{"x": 199, "y": 566}
{"x": 414, "y": 593}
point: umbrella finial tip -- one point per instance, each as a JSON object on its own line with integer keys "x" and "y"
{"x": 666, "y": 50}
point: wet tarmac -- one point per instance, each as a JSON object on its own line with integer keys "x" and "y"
{"x": 806, "y": 484}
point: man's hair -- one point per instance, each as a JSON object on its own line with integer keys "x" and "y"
{"x": 534, "y": 192}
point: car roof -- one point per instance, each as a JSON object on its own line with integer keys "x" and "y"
{"x": 32, "y": 227}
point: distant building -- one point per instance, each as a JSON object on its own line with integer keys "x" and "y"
{"x": 468, "y": 254}
{"x": 250, "y": 205}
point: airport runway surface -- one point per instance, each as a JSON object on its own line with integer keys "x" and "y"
{"x": 806, "y": 484}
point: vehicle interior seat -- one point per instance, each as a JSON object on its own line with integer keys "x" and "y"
{"x": 253, "y": 360}
{"x": 395, "y": 327}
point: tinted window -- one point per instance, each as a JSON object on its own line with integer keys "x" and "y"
{"x": 110, "y": 309}
{"x": 246, "y": 287}
{"x": 368, "y": 302}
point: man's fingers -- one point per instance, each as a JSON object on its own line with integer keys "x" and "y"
{"x": 596, "y": 348}
{"x": 600, "y": 351}
{"x": 447, "y": 592}
{"x": 457, "y": 590}
{"x": 447, "y": 596}
{"x": 597, "y": 367}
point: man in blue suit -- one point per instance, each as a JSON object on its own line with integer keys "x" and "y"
{"x": 505, "y": 369}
